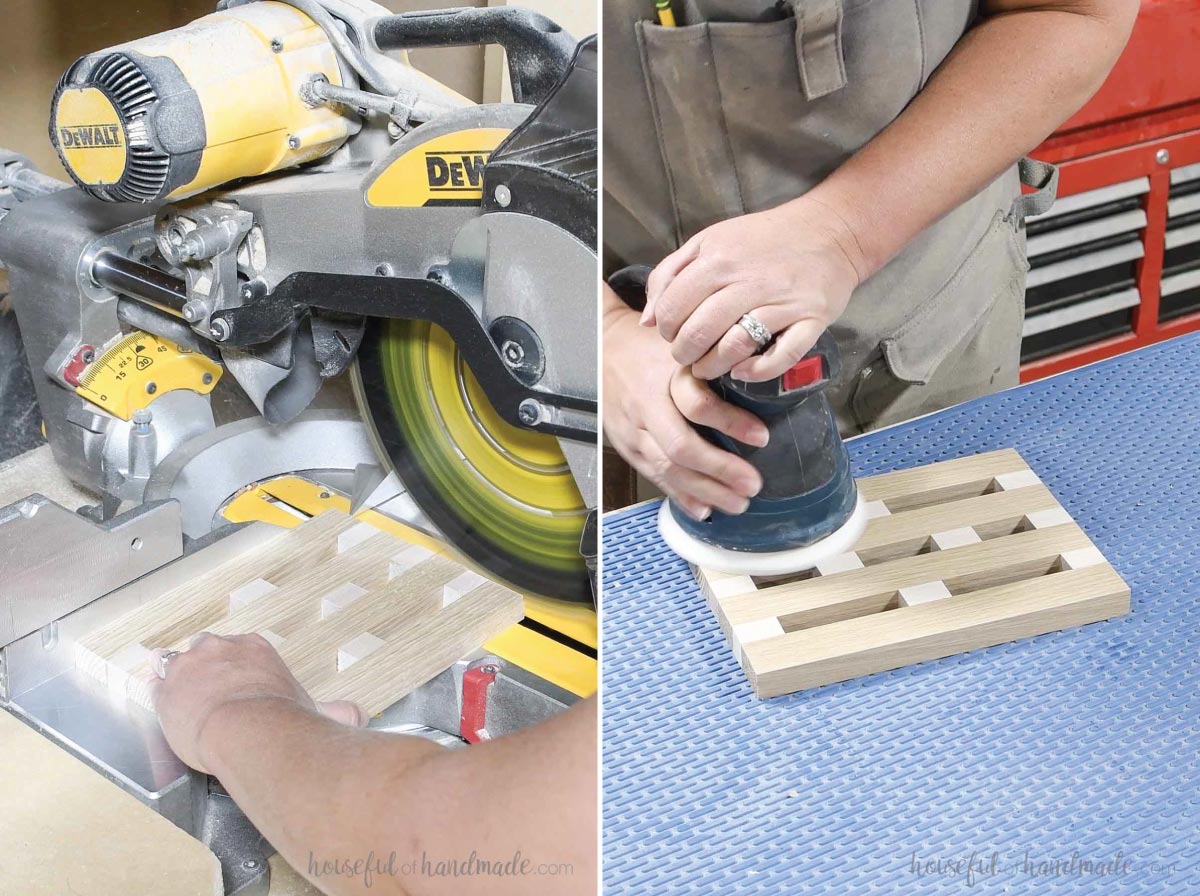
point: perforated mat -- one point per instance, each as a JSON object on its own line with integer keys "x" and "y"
{"x": 1069, "y": 762}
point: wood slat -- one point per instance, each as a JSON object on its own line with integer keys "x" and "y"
{"x": 991, "y": 515}
{"x": 868, "y": 644}
{"x": 975, "y": 566}
{"x": 385, "y": 614}
{"x": 415, "y": 654}
{"x": 941, "y": 480}
{"x": 189, "y": 608}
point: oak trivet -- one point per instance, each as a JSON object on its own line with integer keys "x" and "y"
{"x": 957, "y": 555}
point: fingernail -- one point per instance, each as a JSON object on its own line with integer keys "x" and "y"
{"x": 703, "y": 513}
{"x": 749, "y": 487}
{"x": 759, "y": 437}
{"x": 742, "y": 506}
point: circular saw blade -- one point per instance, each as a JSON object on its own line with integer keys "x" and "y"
{"x": 503, "y": 496}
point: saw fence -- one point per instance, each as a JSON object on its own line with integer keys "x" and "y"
{"x": 958, "y": 555}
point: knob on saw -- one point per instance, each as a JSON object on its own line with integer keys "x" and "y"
{"x": 809, "y": 508}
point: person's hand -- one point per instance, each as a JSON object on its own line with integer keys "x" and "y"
{"x": 217, "y": 672}
{"x": 793, "y": 268}
{"x": 648, "y": 400}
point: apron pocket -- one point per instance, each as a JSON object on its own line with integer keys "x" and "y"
{"x": 987, "y": 360}
{"x": 722, "y": 95}
{"x": 686, "y": 101}
{"x": 915, "y": 351}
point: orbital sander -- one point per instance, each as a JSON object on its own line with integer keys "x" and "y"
{"x": 809, "y": 508}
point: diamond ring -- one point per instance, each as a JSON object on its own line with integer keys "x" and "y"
{"x": 757, "y": 329}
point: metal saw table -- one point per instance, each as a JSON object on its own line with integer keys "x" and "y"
{"x": 1081, "y": 743}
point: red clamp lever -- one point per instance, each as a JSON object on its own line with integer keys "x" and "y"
{"x": 476, "y": 687}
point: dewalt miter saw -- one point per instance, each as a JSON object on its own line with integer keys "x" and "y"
{"x": 272, "y": 197}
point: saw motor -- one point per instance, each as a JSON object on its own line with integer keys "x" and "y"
{"x": 178, "y": 113}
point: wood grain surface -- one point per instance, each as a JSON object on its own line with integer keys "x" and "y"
{"x": 68, "y": 831}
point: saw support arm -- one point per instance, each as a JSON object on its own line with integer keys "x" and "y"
{"x": 395, "y": 297}
{"x": 20, "y": 181}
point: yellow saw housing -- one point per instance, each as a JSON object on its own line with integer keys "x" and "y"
{"x": 178, "y": 113}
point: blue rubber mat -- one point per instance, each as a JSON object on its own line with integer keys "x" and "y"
{"x": 1065, "y": 763}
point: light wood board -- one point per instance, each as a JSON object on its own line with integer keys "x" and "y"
{"x": 356, "y": 614}
{"x": 957, "y": 555}
{"x": 68, "y": 830}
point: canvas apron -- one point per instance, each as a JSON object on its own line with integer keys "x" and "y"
{"x": 750, "y": 103}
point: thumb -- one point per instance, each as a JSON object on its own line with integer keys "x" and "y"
{"x": 343, "y": 712}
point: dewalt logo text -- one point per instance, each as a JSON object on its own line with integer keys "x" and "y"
{"x": 456, "y": 172}
{"x": 446, "y": 170}
{"x": 91, "y": 136}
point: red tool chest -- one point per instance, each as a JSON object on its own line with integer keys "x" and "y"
{"x": 1115, "y": 264}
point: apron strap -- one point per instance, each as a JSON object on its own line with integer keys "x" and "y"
{"x": 819, "y": 46}
{"x": 1043, "y": 177}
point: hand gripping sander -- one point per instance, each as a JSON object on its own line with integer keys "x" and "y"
{"x": 809, "y": 508}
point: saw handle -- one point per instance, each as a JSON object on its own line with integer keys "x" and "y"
{"x": 539, "y": 51}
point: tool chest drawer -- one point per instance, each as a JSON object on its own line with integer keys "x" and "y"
{"x": 1181, "y": 256}
{"x": 1083, "y": 256}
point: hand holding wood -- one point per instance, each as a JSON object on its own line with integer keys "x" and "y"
{"x": 218, "y": 672}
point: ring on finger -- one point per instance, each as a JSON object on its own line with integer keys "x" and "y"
{"x": 164, "y": 660}
{"x": 757, "y": 330}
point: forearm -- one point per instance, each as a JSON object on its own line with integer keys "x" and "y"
{"x": 1010, "y": 81}
{"x": 313, "y": 787}
{"x": 321, "y": 792}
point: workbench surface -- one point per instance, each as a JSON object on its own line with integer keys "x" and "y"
{"x": 1081, "y": 743}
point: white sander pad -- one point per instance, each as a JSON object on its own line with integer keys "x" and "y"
{"x": 772, "y": 563}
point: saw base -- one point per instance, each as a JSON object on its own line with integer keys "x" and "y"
{"x": 957, "y": 555}
{"x": 767, "y": 563}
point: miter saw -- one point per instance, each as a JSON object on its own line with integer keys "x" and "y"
{"x": 268, "y": 203}
{"x": 272, "y": 198}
